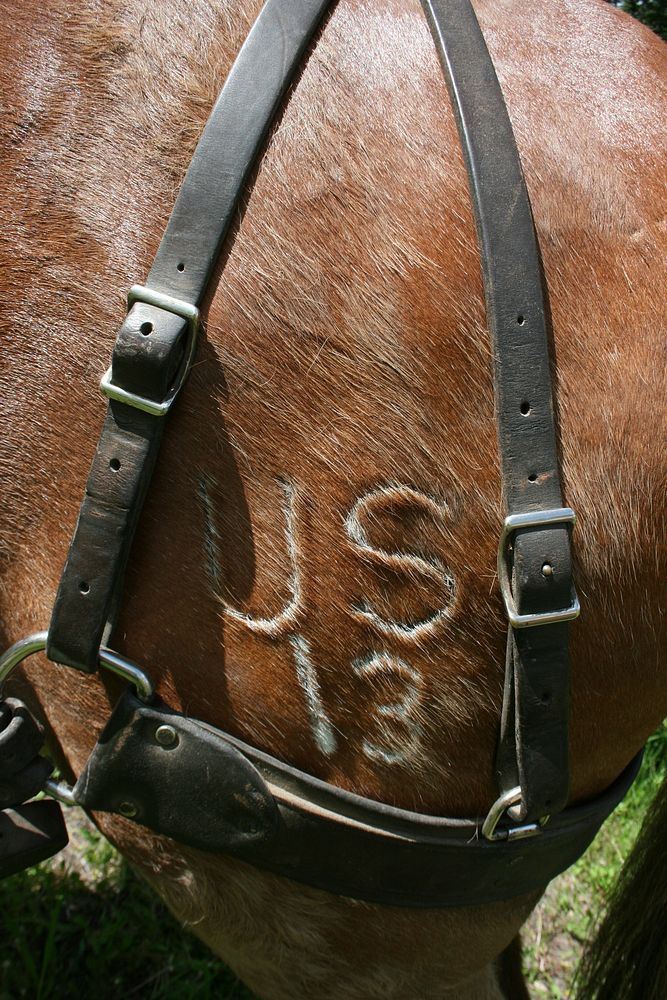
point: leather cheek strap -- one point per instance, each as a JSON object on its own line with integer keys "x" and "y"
{"x": 147, "y": 356}
{"x": 533, "y": 752}
{"x": 151, "y": 344}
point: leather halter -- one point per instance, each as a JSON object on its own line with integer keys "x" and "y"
{"x": 205, "y": 788}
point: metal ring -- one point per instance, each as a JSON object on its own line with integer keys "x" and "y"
{"x": 117, "y": 664}
{"x": 497, "y": 811}
{"x": 36, "y": 643}
{"x": 129, "y": 671}
{"x": 501, "y": 807}
{"x": 20, "y": 651}
{"x": 60, "y": 791}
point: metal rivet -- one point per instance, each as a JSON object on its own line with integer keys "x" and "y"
{"x": 547, "y": 570}
{"x": 166, "y": 736}
{"x": 128, "y": 809}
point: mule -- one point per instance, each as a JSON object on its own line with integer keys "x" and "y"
{"x": 313, "y": 570}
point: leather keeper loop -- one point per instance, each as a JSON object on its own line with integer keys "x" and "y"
{"x": 149, "y": 351}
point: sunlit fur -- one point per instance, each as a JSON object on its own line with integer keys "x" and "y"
{"x": 346, "y": 354}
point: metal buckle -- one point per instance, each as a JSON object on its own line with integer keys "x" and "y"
{"x": 129, "y": 671}
{"x": 500, "y": 807}
{"x": 141, "y": 293}
{"x": 532, "y": 519}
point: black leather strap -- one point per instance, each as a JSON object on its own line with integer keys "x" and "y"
{"x": 144, "y": 362}
{"x": 150, "y": 351}
{"x": 21, "y": 738}
{"x": 230, "y": 145}
{"x": 33, "y": 832}
{"x": 23, "y": 772}
{"x": 534, "y": 740}
{"x": 30, "y": 834}
{"x": 204, "y": 788}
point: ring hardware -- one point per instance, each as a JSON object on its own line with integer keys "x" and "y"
{"x": 116, "y": 664}
{"x": 509, "y": 800}
{"x": 36, "y": 643}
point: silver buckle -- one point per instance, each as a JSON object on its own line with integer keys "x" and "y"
{"x": 502, "y": 805}
{"x": 533, "y": 519}
{"x": 140, "y": 293}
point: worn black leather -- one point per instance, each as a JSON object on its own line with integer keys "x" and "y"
{"x": 144, "y": 363}
{"x": 230, "y": 145}
{"x": 29, "y": 834}
{"x": 195, "y": 782}
{"x": 33, "y": 832}
{"x": 21, "y": 737}
{"x": 23, "y": 772}
{"x": 534, "y": 748}
{"x": 214, "y": 792}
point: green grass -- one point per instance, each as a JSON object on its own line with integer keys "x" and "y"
{"x": 89, "y": 927}
{"x": 99, "y": 933}
{"x": 554, "y": 937}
